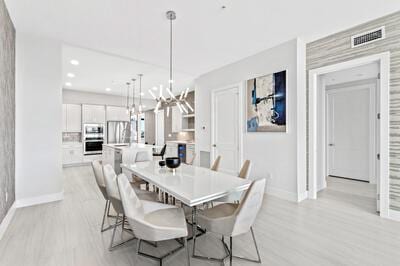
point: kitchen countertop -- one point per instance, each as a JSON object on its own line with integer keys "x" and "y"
{"x": 123, "y": 146}
{"x": 190, "y": 142}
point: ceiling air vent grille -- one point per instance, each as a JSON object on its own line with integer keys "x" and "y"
{"x": 368, "y": 37}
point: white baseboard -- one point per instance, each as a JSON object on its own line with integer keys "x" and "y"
{"x": 394, "y": 215}
{"x": 40, "y": 200}
{"x": 7, "y": 219}
{"x": 282, "y": 194}
{"x": 302, "y": 196}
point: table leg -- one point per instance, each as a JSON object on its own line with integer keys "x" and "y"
{"x": 194, "y": 226}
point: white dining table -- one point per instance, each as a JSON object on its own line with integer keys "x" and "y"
{"x": 191, "y": 185}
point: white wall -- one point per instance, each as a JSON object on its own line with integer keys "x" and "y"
{"x": 81, "y": 97}
{"x": 38, "y": 120}
{"x": 279, "y": 157}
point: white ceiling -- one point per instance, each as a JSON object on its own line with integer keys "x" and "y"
{"x": 98, "y": 71}
{"x": 206, "y": 36}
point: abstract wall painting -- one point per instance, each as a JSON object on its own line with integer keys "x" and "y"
{"x": 266, "y": 103}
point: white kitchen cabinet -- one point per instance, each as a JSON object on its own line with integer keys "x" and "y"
{"x": 64, "y": 118}
{"x": 93, "y": 114}
{"x": 171, "y": 150}
{"x": 190, "y": 152}
{"x": 72, "y": 118}
{"x": 72, "y": 154}
{"x": 117, "y": 113}
{"x": 176, "y": 119}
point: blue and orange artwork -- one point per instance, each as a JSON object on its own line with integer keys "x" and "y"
{"x": 266, "y": 103}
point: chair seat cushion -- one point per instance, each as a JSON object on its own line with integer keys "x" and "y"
{"x": 167, "y": 223}
{"x": 146, "y": 195}
{"x": 219, "y": 219}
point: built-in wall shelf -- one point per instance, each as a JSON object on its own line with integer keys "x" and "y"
{"x": 188, "y": 116}
{"x": 188, "y": 129}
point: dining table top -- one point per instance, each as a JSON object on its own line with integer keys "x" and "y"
{"x": 192, "y": 185}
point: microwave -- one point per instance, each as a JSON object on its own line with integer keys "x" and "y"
{"x": 90, "y": 129}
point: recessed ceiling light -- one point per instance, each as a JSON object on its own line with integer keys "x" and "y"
{"x": 108, "y": 89}
{"x": 68, "y": 84}
{"x": 143, "y": 106}
{"x": 74, "y": 62}
{"x": 142, "y": 93}
{"x": 71, "y": 75}
{"x": 155, "y": 88}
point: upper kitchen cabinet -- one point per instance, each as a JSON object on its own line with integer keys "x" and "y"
{"x": 72, "y": 118}
{"x": 116, "y": 113}
{"x": 176, "y": 119}
{"x": 94, "y": 114}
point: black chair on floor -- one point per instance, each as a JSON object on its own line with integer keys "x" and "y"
{"x": 161, "y": 153}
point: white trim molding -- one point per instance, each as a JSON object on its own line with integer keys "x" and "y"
{"x": 7, "y": 220}
{"x": 40, "y": 199}
{"x": 394, "y": 215}
{"x": 282, "y": 194}
{"x": 384, "y": 85}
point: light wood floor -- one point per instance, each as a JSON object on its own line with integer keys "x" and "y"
{"x": 336, "y": 229}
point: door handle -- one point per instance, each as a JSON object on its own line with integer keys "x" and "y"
{"x": 214, "y": 145}
{"x": 331, "y": 144}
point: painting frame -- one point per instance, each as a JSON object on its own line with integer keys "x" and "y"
{"x": 266, "y": 103}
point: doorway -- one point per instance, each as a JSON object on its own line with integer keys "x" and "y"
{"x": 349, "y": 128}
{"x": 226, "y": 132}
{"x": 350, "y": 145}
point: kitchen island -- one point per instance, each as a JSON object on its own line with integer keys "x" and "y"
{"x": 114, "y": 154}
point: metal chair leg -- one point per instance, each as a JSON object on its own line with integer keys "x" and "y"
{"x": 187, "y": 250}
{"x": 159, "y": 259}
{"x": 231, "y": 251}
{"x": 258, "y": 260}
{"x": 112, "y": 246}
{"x": 105, "y": 214}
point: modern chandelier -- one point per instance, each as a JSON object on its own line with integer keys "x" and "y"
{"x": 180, "y": 101}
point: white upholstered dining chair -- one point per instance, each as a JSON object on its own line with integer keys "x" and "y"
{"x": 110, "y": 178}
{"x": 215, "y": 165}
{"x": 131, "y": 157}
{"x": 152, "y": 221}
{"x": 229, "y": 219}
{"x": 98, "y": 174}
{"x": 236, "y": 196}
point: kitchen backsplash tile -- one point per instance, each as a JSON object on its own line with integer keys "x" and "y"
{"x": 71, "y": 137}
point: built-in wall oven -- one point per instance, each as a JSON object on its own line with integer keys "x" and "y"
{"x": 93, "y": 137}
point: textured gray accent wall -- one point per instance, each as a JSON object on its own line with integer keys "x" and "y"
{"x": 7, "y": 111}
{"x": 337, "y": 48}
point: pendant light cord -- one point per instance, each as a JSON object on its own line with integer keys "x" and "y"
{"x": 170, "y": 56}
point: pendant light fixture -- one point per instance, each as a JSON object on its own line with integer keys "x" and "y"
{"x": 133, "y": 107}
{"x": 127, "y": 98}
{"x": 140, "y": 93}
{"x": 181, "y": 101}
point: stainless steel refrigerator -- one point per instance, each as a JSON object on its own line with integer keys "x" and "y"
{"x": 118, "y": 132}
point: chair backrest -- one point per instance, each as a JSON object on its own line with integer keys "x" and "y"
{"x": 133, "y": 208}
{"x": 143, "y": 156}
{"x": 98, "y": 174}
{"x": 110, "y": 178}
{"x": 215, "y": 165}
{"x": 162, "y": 152}
{"x": 192, "y": 160}
{"x": 129, "y": 156}
{"x": 245, "y": 170}
{"x": 249, "y": 207}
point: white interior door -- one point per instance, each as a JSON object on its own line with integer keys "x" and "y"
{"x": 350, "y": 132}
{"x": 225, "y": 128}
{"x": 160, "y": 128}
